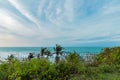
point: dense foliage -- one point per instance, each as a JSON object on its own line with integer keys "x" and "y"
{"x": 105, "y": 66}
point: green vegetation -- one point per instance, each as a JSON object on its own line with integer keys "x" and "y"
{"x": 105, "y": 66}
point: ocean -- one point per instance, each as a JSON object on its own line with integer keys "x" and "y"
{"x": 22, "y": 52}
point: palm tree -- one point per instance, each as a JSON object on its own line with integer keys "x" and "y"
{"x": 58, "y": 51}
{"x": 38, "y": 56}
{"x": 30, "y": 56}
{"x": 11, "y": 57}
{"x": 48, "y": 53}
{"x": 43, "y": 51}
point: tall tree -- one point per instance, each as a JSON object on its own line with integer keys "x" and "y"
{"x": 58, "y": 51}
{"x": 48, "y": 53}
{"x": 30, "y": 56}
{"x": 43, "y": 51}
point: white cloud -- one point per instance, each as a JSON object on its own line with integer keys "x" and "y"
{"x": 10, "y": 22}
{"x": 20, "y": 8}
{"x": 41, "y": 6}
{"x": 58, "y": 22}
{"x": 58, "y": 11}
{"x": 69, "y": 12}
{"x": 42, "y": 30}
{"x": 111, "y": 9}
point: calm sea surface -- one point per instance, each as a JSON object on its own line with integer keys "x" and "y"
{"x": 24, "y": 51}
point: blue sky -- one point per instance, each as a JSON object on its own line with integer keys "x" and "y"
{"x": 65, "y": 22}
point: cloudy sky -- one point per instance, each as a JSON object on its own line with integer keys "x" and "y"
{"x": 66, "y": 22}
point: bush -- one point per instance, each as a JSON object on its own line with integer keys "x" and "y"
{"x": 104, "y": 68}
{"x": 73, "y": 67}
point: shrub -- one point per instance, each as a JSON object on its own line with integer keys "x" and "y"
{"x": 105, "y": 68}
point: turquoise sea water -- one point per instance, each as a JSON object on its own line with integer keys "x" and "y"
{"x": 24, "y": 51}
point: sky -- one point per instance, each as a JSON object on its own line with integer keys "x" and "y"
{"x": 65, "y": 22}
